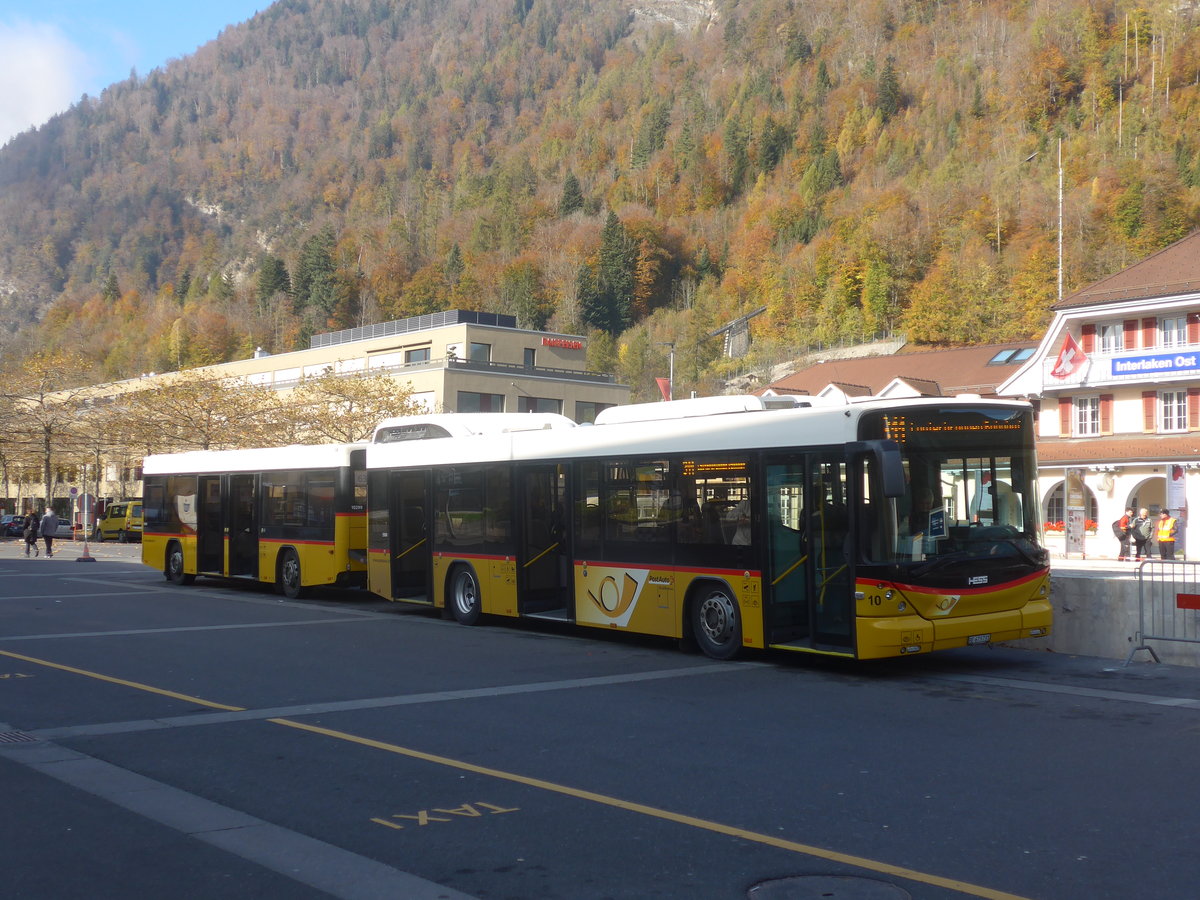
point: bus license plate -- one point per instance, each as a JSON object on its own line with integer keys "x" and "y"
{"x": 979, "y": 639}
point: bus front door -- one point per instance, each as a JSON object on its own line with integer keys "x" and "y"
{"x": 410, "y": 536}
{"x": 809, "y": 581}
{"x": 210, "y": 527}
{"x": 243, "y": 526}
{"x": 543, "y": 565}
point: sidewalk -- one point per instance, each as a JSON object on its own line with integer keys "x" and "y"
{"x": 71, "y": 549}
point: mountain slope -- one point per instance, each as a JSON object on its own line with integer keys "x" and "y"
{"x": 855, "y": 168}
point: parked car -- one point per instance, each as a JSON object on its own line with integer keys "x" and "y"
{"x": 121, "y": 522}
{"x": 12, "y": 526}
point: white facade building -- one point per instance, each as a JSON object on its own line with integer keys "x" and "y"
{"x": 1116, "y": 380}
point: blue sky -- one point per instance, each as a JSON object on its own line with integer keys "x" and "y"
{"x": 54, "y": 51}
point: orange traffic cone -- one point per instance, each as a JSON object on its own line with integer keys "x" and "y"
{"x": 86, "y": 557}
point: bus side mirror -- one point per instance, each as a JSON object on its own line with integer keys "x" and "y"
{"x": 888, "y": 462}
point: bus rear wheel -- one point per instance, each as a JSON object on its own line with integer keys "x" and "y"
{"x": 289, "y": 582}
{"x": 174, "y": 567}
{"x": 465, "y": 602}
{"x": 716, "y": 622}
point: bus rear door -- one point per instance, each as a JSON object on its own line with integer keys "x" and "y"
{"x": 809, "y": 578}
{"x": 411, "y": 560}
{"x": 210, "y": 527}
{"x": 243, "y": 525}
{"x": 543, "y": 569}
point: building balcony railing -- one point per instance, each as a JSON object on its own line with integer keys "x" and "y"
{"x": 472, "y": 365}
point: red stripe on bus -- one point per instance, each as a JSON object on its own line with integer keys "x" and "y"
{"x": 930, "y": 589}
{"x": 287, "y": 541}
{"x": 442, "y": 554}
{"x": 686, "y": 570}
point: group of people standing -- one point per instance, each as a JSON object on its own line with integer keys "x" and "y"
{"x": 46, "y": 527}
{"x": 1142, "y": 532}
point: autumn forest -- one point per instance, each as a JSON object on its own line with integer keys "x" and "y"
{"x": 640, "y": 172}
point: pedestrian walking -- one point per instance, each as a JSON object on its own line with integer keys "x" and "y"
{"x": 49, "y": 528}
{"x": 31, "y": 534}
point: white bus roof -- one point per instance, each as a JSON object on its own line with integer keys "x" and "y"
{"x": 467, "y": 424}
{"x": 713, "y": 433}
{"x": 258, "y": 459}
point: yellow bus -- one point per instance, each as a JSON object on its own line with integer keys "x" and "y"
{"x": 294, "y": 517}
{"x": 870, "y": 529}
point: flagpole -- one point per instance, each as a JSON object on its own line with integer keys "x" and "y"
{"x": 1060, "y": 222}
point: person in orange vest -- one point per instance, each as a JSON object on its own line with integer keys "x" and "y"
{"x": 1167, "y": 529}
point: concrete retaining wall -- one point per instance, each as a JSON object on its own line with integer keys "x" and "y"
{"x": 1097, "y": 615}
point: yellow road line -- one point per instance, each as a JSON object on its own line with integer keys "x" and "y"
{"x": 137, "y": 685}
{"x": 860, "y": 862}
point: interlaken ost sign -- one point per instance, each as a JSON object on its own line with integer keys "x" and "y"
{"x": 1156, "y": 364}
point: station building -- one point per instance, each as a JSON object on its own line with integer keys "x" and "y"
{"x": 452, "y": 361}
{"x": 1116, "y": 379}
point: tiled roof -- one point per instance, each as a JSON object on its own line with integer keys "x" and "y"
{"x": 1172, "y": 270}
{"x": 853, "y": 390}
{"x": 1129, "y": 448}
{"x": 956, "y": 370}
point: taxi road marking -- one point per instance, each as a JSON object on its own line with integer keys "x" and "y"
{"x": 667, "y": 815}
{"x": 467, "y": 809}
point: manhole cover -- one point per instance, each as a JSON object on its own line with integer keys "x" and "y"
{"x": 16, "y": 737}
{"x": 826, "y": 887}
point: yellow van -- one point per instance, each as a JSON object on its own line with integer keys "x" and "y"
{"x": 121, "y": 522}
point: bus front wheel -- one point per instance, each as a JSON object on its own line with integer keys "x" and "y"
{"x": 289, "y": 582}
{"x": 174, "y": 568}
{"x": 465, "y": 602}
{"x": 716, "y": 622}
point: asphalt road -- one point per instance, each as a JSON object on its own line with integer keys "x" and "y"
{"x": 216, "y": 741}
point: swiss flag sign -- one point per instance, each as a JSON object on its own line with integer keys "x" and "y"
{"x": 1070, "y": 358}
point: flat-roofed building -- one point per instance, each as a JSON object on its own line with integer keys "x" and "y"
{"x": 452, "y": 361}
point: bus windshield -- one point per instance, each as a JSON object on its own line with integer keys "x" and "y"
{"x": 970, "y": 495}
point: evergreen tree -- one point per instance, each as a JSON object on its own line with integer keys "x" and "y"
{"x": 652, "y": 134}
{"x": 454, "y": 265}
{"x": 572, "y": 196}
{"x": 773, "y": 144}
{"x": 606, "y": 288}
{"x": 111, "y": 290}
{"x": 185, "y": 285}
{"x": 889, "y": 90}
{"x": 314, "y": 282}
{"x": 824, "y": 82}
{"x": 273, "y": 279}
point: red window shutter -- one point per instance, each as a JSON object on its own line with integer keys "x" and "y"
{"x": 1149, "y": 332}
{"x": 1088, "y": 338}
{"x": 1130, "y": 326}
{"x": 1106, "y": 406}
{"x": 1193, "y": 409}
{"x": 1064, "y": 416}
{"x": 1193, "y": 327}
{"x": 1149, "y": 411}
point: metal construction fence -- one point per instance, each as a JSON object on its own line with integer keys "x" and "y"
{"x": 1168, "y": 604}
